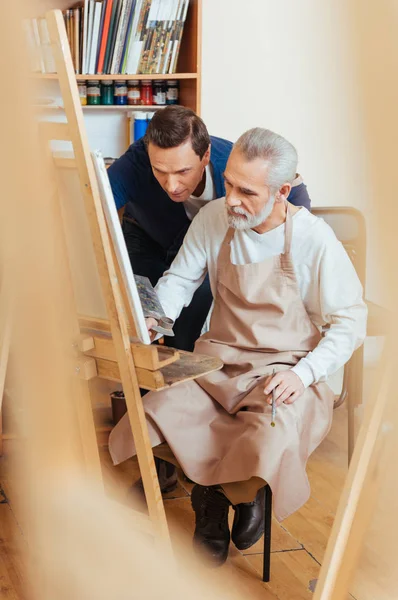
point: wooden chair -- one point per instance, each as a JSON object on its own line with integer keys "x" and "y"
{"x": 349, "y": 226}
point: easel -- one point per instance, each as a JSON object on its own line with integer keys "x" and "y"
{"x": 359, "y": 495}
{"x": 5, "y": 335}
{"x": 104, "y": 347}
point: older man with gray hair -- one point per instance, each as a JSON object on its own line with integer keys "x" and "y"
{"x": 278, "y": 275}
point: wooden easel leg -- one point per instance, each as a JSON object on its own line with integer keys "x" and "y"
{"x": 5, "y": 335}
{"x": 355, "y": 390}
{"x": 145, "y": 456}
{"x": 1, "y": 433}
{"x": 351, "y": 429}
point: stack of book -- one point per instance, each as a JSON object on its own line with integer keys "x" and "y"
{"x": 115, "y": 37}
{"x": 126, "y": 36}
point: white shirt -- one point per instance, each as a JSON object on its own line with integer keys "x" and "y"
{"x": 195, "y": 203}
{"x": 328, "y": 283}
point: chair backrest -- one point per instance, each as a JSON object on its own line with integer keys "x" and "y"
{"x": 349, "y": 226}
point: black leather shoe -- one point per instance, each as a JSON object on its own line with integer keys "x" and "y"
{"x": 212, "y": 536}
{"x": 167, "y": 472}
{"x": 167, "y": 475}
{"x": 248, "y": 525}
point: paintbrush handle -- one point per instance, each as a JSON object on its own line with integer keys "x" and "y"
{"x": 273, "y": 415}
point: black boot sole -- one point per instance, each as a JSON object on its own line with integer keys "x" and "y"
{"x": 251, "y": 543}
{"x": 170, "y": 488}
{"x": 203, "y": 554}
{"x": 138, "y": 487}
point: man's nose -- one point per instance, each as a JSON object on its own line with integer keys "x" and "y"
{"x": 171, "y": 184}
{"x": 233, "y": 199}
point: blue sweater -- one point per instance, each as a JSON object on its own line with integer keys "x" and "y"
{"x": 135, "y": 187}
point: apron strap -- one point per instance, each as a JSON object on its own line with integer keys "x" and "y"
{"x": 225, "y": 250}
{"x": 288, "y": 230}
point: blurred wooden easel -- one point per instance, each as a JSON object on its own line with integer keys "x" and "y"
{"x": 108, "y": 348}
{"x": 5, "y": 335}
{"x": 360, "y": 491}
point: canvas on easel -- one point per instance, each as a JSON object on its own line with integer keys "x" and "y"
{"x": 111, "y": 215}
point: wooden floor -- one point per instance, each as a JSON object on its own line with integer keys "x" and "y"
{"x": 298, "y": 544}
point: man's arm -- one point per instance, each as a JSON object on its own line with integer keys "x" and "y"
{"x": 118, "y": 178}
{"x": 187, "y": 272}
{"x": 343, "y": 309}
{"x": 299, "y": 194}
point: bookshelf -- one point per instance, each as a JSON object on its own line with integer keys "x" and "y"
{"x": 188, "y": 66}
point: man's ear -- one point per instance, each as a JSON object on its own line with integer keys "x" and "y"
{"x": 206, "y": 156}
{"x": 283, "y": 193}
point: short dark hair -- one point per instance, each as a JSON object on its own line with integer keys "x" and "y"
{"x": 174, "y": 125}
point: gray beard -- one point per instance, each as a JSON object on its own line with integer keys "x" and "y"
{"x": 251, "y": 221}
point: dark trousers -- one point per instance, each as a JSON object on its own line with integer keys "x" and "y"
{"x": 151, "y": 260}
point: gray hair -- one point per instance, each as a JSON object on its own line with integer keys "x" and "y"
{"x": 278, "y": 152}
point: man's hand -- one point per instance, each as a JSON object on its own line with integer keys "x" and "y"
{"x": 288, "y": 387}
{"x": 151, "y": 322}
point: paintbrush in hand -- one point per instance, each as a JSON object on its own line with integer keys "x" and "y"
{"x": 273, "y": 403}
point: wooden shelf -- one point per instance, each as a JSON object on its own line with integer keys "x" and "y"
{"x": 100, "y": 107}
{"x": 120, "y": 77}
{"x": 129, "y": 107}
{"x": 190, "y": 366}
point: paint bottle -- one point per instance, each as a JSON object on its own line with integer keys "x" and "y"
{"x": 133, "y": 92}
{"x": 140, "y": 125}
{"x": 82, "y": 87}
{"x": 159, "y": 92}
{"x": 147, "y": 92}
{"x": 172, "y": 92}
{"x": 149, "y": 116}
{"x": 93, "y": 92}
{"x": 120, "y": 93}
{"x": 107, "y": 92}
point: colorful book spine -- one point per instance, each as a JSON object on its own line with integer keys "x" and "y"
{"x": 105, "y": 36}
{"x": 128, "y": 39}
{"x": 121, "y": 37}
{"x": 76, "y": 41}
{"x": 85, "y": 33}
{"x": 111, "y": 35}
{"x": 101, "y": 31}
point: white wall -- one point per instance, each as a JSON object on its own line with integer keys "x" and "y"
{"x": 285, "y": 65}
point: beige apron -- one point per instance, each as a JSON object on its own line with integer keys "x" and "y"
{"x": 218, "y": 427}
